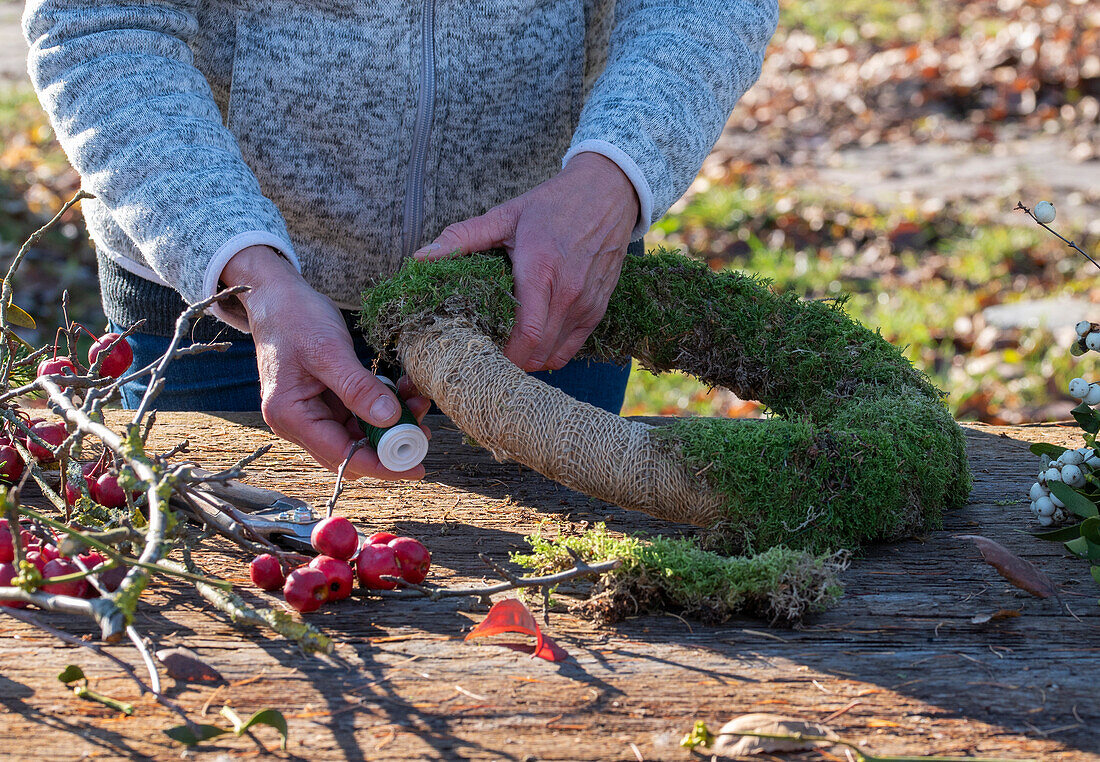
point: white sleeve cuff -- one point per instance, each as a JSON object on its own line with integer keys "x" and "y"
{"x": 226, "y": 252}
{"x": 630, "y": 169}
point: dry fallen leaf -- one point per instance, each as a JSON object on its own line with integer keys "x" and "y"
{"x": 184, "y": 664}
{"x": 1020, "y": 572}
{"x": 730, "y": 744}
{"x": 510, "y": 615}
{"x": 999, "y": 614}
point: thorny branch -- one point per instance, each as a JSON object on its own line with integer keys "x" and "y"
{"x": 78, "y": 400}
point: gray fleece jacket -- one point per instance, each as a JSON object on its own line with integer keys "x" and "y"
{"x": 347, "y": 133}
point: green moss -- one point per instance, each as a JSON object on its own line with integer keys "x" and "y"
{"x": 861, "y": 446}
{"x": 674, "y": 574}
{"x": 479, "y": 287}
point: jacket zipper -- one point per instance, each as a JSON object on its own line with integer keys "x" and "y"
{"x": 413, "y": 226}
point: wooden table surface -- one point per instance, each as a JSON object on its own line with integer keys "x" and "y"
{"x": 898, "y": 666}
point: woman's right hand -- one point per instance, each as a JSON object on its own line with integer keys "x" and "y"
{"x": 311, "y": 381}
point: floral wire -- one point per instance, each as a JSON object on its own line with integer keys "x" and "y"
{"x": 355, "y": 447}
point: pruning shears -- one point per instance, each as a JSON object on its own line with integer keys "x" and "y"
{"x": 265, "y": 512}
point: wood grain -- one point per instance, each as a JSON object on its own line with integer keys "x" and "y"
{"x": 897, "y": 667}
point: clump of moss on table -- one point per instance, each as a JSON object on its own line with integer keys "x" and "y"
{"x": 674, "y": 574}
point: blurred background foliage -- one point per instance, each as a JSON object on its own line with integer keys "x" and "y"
{"x": 879, "y": 156}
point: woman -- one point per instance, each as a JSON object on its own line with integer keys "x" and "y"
{"x": 304, "y": 149}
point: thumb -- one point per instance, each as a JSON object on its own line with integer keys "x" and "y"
{"x": 496, "y": 227}
{"x": 360, "y": 390}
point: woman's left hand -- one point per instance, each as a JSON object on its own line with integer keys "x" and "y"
{"x": 566, "y": 238}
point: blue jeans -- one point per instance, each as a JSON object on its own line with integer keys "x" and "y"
{"x": 230, "y": 380}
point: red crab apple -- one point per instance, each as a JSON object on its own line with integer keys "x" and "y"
{"x": 7, "y": 549}
{"x": 11, "y": 464}
{"x": 375, "y": 562}
{"x": 54, "y": 433}
{"x": 107, "y": 492}
{"x": 338, "y": 573}
{"x": 266, "y": 572}
{"x": 72, "y": 491}
{"x": 336, "y": 537}
{"x": 91, "y": 559}
{"x": 7, "y": 574}
{"x": 381, "y": 538}
{"x": 111, "y": 578}
{"x": 35, "y": 557}
{"x": 306, "y": 589}
{"x": 56, "y": 366}
{"x": 60, "y": 567}
{"x": 118, "y": 361}
{"x": 413, "y": 557}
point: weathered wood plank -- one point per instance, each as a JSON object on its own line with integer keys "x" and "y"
{"x": 898, "y": 659}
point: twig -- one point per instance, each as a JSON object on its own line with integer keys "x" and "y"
{"x": 183, "y": 322}
{"x": 355, "y": 447}
{"x": 231, "y": 604}
{"x": 1020, "y": 207}
{"x": 580, "y": 569}
{"x": 235, "y": 471}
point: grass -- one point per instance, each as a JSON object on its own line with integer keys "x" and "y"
{"x": 874, "y": 20}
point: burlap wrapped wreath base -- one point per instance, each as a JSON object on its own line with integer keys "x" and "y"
{"x": 860, "y": 446}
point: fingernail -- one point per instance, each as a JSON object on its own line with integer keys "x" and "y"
{"x": 426, "y": 250}
{"x": 383, "y": 409}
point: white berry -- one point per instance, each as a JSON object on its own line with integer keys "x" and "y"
{"x": 1037, "y": 491}
{"x": 1078, "y": 388}
{"x": 1093, "y": 397}
{"x": 1083, "y": 328}
{"x": 1093, "y": 462}
{"x": 1044, "y": 521}
{"x": 1092, "y": 341}
{"x": 1043, "y": 507}
{"x": 1073, "y": 476}
{"x": 1053, "y": 475}
{"x": 1044, "y": 212}
{"x": 1054, "y": 499}
{"x": 1071, "y": 458}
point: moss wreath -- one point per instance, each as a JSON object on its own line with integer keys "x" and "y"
{"x": 859, "y": 446}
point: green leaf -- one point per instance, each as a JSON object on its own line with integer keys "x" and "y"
{"x": 1059, "y": 535}
{"x": 1090, "y": 530}
{"x": 71, "y": 674}
{"x": 188, "y": 737}
{"x": 1050, "y": 450}
{"x": 270, "y": 717}
{"x": 16, "y": 316}
{"x": 1075, "y": 501}
{"x": 1096, "y": 573}
{"x": 1087, "y": 418}
{"x": 1082, "y": 548}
